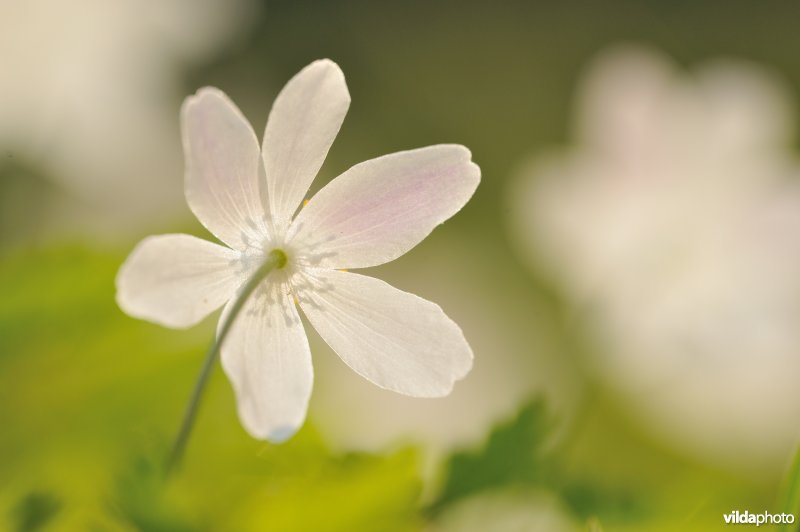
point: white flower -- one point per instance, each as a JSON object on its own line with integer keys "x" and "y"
{"x": 371, "y": 214}
{"x": 507, "y": 510}
{"x": 675, "y": 221}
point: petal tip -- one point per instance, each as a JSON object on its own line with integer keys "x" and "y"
{"x": 465, "y": 154}
{"x": 273, "y": 434}
{"x": 208, "y": 91}
{"x": 471, "y": 171}
{"x": 201, "y": 94}
{"x": 124, "y": 292}
{"x": 281, "y": 434}
{"x": 209, "y": 96}
{"x": 121, "y": 297}
{"x": 326, "y": 64}
{"x": 474, "y": 172}
{"x": 329, "y": 71}
{"x": 461, "y": 367}
{"x": 458, "y": 375}
{"x": 462, "y": 151}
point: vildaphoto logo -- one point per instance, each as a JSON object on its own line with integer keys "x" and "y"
{"x": 765, "y": 518}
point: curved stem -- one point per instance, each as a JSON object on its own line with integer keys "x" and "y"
{"x": 276, "y": 259}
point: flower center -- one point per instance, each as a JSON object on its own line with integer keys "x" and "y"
{"x": 278, "y": 258}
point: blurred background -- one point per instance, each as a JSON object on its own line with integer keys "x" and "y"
{"x": 628, "y": 273}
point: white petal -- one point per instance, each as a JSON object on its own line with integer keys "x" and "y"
{"x": 379, "y": 209}
{"x": 267, "y": 359}
{"x": 224, "y": 184}
{"x": 302, "y": 124}
{"x": 176, "y": 280}
{"x": 394, "y": 339}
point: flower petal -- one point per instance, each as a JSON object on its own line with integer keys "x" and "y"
{"x": 224, "y": 185}
{"x": 267, "y": 359}
{"x": 302, "y": 124}
{"x": 176, "y": 280}
{"x": 394, "y": 339}
{"x": 379, "y": 209}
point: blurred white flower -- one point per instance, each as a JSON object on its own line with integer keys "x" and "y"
{"x": 674, "y": 222}
{"x": 89, "y": 86}
{"x": 371, "y": 214}
{"x": 521, "y": 510}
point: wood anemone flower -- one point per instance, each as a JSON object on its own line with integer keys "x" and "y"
{"x": 371, "y": 214}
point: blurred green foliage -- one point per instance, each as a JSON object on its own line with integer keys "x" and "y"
{"x": 605, "y": 474}
{"x": 514, "y": 454}
{"x": 88, "y": 397}
{"x": 34, "y": 511}
{"x": 524, "y": 453}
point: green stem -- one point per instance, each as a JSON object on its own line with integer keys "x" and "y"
{"x": 276, "y": 259}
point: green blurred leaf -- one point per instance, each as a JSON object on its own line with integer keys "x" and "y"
{"x": 589, "y": 498}
{"x": 521, "y": 453}
{"x": 515, "y": 454}
{"x": 297, "y": 486}
{"x": 89, "y": 396}
{"x": 351, "y": 492}
{"x": 34, "y": 511}
{"x": 143, "y": 498}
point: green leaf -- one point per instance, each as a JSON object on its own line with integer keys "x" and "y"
{"x": 34, "y": 511}
{"x": 515, "y": 454}
{"x": 144, "y": 498}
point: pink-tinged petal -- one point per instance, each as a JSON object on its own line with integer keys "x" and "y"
{"x": 394, "y": 339}
{"x": 224, "y": 184}
{"x": 381, "y": 208}
{"x": 268, "y": 361}
{"x": 177, "y": 280}
{"x": 302, "y": 124}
